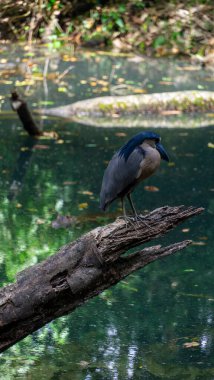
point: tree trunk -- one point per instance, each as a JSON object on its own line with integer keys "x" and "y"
{"x": 81, "y": 270}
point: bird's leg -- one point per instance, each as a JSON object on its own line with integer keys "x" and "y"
{"x": 128, "y": 219}
{"x": 137, "y": 217}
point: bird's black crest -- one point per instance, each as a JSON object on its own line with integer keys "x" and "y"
{"x": 138, "y": 139}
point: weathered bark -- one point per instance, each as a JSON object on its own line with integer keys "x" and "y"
{"x": 81, "y": 270}
{"x": 20, "y": 106}
{"x": 182, "y": 101}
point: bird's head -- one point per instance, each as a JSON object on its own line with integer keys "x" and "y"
{"x": 138, "y": 139}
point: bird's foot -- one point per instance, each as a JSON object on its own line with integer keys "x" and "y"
{"x": 128, "y": 220}
{"x": 141, "y": 219}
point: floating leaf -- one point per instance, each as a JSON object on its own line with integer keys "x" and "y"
{"x": 185, "y": 230}
{"x": 85, "y": 192}
{"x": 62, "y": 89}
{"x": 166, "y": 83}
{"x": 151, "y": 188}
{"x": 83, "y": 206}
{"x": 139, "y": 90}
{"x": 191, "y": 344}
{"x": 28, "y": 82}
{"x": 93, "y": 84}
{"x": 41, "y": 147}
{"x": 189, "y": 270}
{"x": 210, "y": 145}
{"x": 120, "y": 134}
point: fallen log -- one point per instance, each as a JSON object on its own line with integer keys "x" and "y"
{"x": 180, "y": 101}
{"x": 82, "y": 269}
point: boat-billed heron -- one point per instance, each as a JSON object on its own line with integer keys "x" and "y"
{"x": 138, "y": 159}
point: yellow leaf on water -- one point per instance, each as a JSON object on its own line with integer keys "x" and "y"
{"x": 151, "y": 188}
{"x": 62, "y": 89}
{"x": 210, "y": 145}
{"x": 139, "y": 90}
{"x": 85, "y": 192}
{"x": 27, "y": 82}
{"x": 82, "y": 206}
{"x": 120, "y": 134}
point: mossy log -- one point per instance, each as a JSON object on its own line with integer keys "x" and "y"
{"x": 82, "y": 269}
{"x": 146, "y": 104}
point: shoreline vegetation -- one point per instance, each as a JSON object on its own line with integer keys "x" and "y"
{"x": 151, "y": 28}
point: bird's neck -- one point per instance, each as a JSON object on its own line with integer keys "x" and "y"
{"x": 148, "y": 144}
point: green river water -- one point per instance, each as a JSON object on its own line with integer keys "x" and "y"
{"x": 140, "y": 328}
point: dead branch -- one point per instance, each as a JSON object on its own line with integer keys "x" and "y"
{"x": 81, "y": 270}
{"x": 20, "y": 106}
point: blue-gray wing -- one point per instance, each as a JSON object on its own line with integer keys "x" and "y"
{"x": 120, "y": 175}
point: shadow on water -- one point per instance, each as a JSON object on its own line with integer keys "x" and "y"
{"x": 159, "y": 322}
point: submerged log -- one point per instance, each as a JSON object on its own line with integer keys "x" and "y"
{"x": 180, "y": 101}
{"x": 82, "y": 269}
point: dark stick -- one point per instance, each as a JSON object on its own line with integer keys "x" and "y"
{"x": 20, "y": 106}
